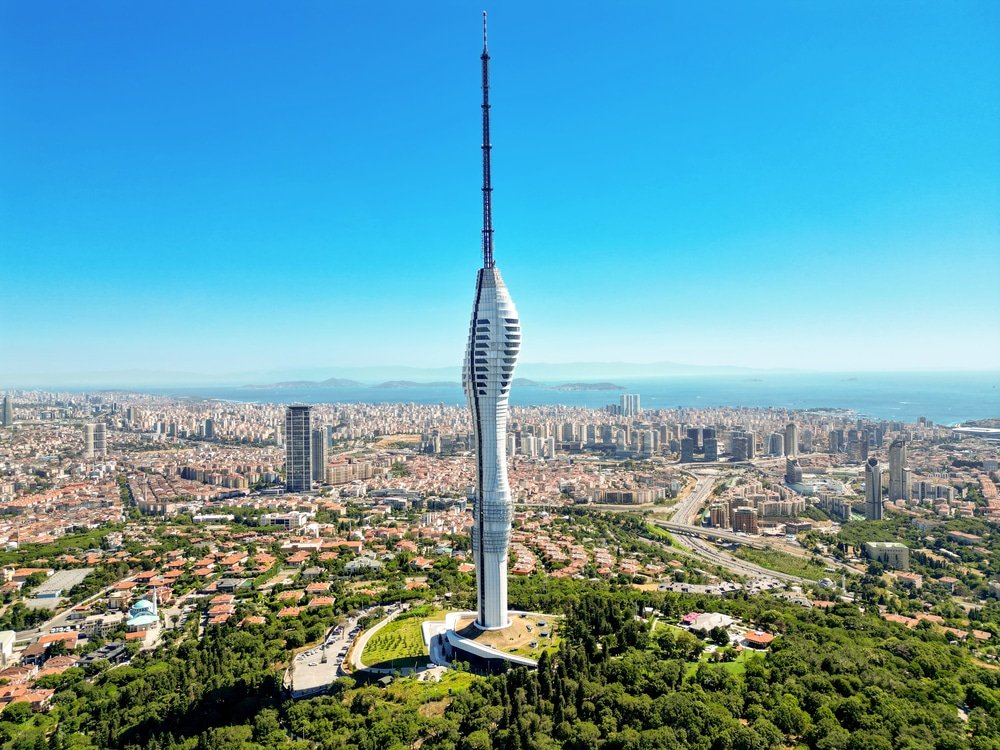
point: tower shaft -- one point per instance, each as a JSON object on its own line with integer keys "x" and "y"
{"x": 487, "y": 147}
{"x": 487, "y": 374}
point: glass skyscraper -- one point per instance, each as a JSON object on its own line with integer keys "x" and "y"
{"x": 298, "y": 448}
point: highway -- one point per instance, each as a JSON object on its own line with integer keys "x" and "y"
{"x": 710, "y": 533}
{"x": 688, "y": 535}
{"x": 685, "y": 511}
{"x": 681, "y": 521}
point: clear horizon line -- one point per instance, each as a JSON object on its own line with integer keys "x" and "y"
{"x": 12, "y": 384}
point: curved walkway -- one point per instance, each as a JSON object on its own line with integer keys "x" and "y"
{"x": 362, "y": 641}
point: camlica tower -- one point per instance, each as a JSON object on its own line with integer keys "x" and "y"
{"x": 494, "y": 342}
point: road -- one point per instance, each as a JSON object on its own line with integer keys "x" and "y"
{"x": 685, "y": 511}
{"x": 682, "y": 517}
{"x": 62, "y": 619}
{"x": 362, "y": 640}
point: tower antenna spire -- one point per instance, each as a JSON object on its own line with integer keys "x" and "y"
{"x": 487, "y": 183}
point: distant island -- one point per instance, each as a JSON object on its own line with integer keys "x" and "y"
{"x": 298, "y": 384}
{"x": 588, "y": 387}
{"x": 413, "y": 384}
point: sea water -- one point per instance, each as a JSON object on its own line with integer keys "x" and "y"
{"x": 945, "y": 398}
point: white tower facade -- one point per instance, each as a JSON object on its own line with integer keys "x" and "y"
{"x": 494, "y": 342}
{"x": 487, "y": 373}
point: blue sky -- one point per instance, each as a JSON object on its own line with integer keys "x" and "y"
{"x": 223, "y": 187}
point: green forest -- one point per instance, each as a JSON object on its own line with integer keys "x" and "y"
{"x": 836, "y": 679}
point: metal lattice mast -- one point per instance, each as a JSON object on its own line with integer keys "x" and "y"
{"x": 487, "y": 184}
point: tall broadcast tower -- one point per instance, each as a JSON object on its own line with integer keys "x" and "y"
{"x": 494, "y": 341}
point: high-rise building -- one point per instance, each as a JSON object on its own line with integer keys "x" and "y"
{"x": 549, "y": 447}
{"x": 490, "y": 358}
{"x": 695, "y": 434}
{"x": 740, "y": 447}
{"x": 745, "y": 520}
{"x": 687, "y": 450}
{"x": 529, "y": 446}
{"x": 793, "y": 472}
{"x": 873, "y": 490}
{"x": 711, "y": 449}
{"x": 629, "y": 404}
{"x": 100, "y": 439}
{"x": 719, "y": 516}
{"x": 899, "y": 477}
{"x": 209, "y": 428}
{"x": 88, "y": 440}
{"x": 806, "y": 441}
{"x": 318, "y": 448}
{"x": 298, "y": 451}
{"x": 8, "y": 411}
{"x": 836, "y": 441}
{"x": 776, "y": 444}
{"x": 791, "y": 439}
{"x": 566, "y": 432}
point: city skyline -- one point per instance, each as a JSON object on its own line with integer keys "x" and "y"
{"x": 708, "y": 183}
{"x": 749, "y": 499}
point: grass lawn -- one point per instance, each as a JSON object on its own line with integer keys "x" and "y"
{"x": 783, "y": 562}
{"x": 414, "y": 691}
{"x": 400, "y": 644}
{"x": 661, "y": 624}
{"x": 736, "y": 667}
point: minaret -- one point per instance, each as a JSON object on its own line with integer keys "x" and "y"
{"x": 494, "y": 342}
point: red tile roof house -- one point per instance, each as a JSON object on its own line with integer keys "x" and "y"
{"x": 68, "y": 638}
{"x": 17, "y": 675}
{"x": 689, "y": 618}
{"x": 38, "y": 698}
{"x": 758, "y": 639}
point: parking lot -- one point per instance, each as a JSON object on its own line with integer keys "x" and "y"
{"x": 317, "y": 667}
{"x": 51, "y": 592}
